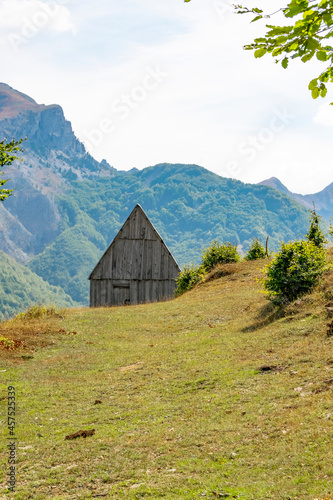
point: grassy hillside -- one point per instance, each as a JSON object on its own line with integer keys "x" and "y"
{"x": 189, "y": 205}
{"x": 216, "y": 394}
{"x": 21, "y": 288}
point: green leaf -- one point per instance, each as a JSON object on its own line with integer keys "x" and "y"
{"x": 323, "y": 92}
{"x": 315, "y": 93}
{"x": 281, "y": 39}
{"x": 324, "y": 77}
{"x": 313, "y": 84}
{"x": 260, "y": 52}
{"x": 321, "y": 55}
{"x": 278, "y": 30}
{"x": 277, "y": 51}
{"x": 308, "y": 56}
{"x": 309, "y": 13}
{"x": 312, "y": 44}
{"x": 285, "y": 63}
{"x": 291, "y": 12}
{"x": 327, "y": 19}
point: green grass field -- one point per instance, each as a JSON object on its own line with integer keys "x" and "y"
{"x": 216, "y": 394}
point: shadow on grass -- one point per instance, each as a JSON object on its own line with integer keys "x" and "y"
{"x": 266, "y": 315}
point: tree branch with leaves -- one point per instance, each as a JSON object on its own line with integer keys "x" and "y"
{"x": 8, "y": 151}
{"x": 307, "y": 36}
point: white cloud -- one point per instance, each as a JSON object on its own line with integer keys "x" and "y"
{"x": 324, "y": 115}
{"x": 22, "y": 20}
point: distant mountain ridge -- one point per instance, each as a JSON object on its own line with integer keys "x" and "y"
{"x": 323, "y": 200}
{"x": 67, "y": 207}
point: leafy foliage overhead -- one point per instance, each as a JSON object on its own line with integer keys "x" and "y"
{"x": 306, "y": 35}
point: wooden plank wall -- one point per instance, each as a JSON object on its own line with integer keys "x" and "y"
{"x": 136, "y": 268}
{"x": 136, "y": 259}
{"x": 109, "y": 293}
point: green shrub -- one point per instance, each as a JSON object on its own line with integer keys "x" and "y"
{"x": 188, "y": 277}
{"x": 294, "y": 271}
{"x": 219, "y": 254}
{"x": 256, "y": 250}
{"x": 37, "y": 311}
{"x": 314, "y": 233}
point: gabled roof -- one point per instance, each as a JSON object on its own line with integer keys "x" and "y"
{"x": 136, "y": 209}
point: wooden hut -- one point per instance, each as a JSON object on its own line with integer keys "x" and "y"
{"x": 136, "y": 268}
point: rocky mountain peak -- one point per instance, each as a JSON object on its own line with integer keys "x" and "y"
{"x": 53, "y": 157}
{"x": 45, "y": 127}
{"x": 51, "y": 142}
{"x": 275, "y": 183}
{"x": 12, "y": 102}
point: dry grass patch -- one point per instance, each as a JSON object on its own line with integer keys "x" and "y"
{"x": 38, "y": 327}
{"x": 239, "y": 269}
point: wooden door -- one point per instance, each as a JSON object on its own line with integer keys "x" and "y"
{"x": 121, "y": 293}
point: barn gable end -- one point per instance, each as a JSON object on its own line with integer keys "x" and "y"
{"x": 136, "y": 268}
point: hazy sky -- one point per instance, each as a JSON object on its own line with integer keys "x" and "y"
{"x": 152, "y": 81}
